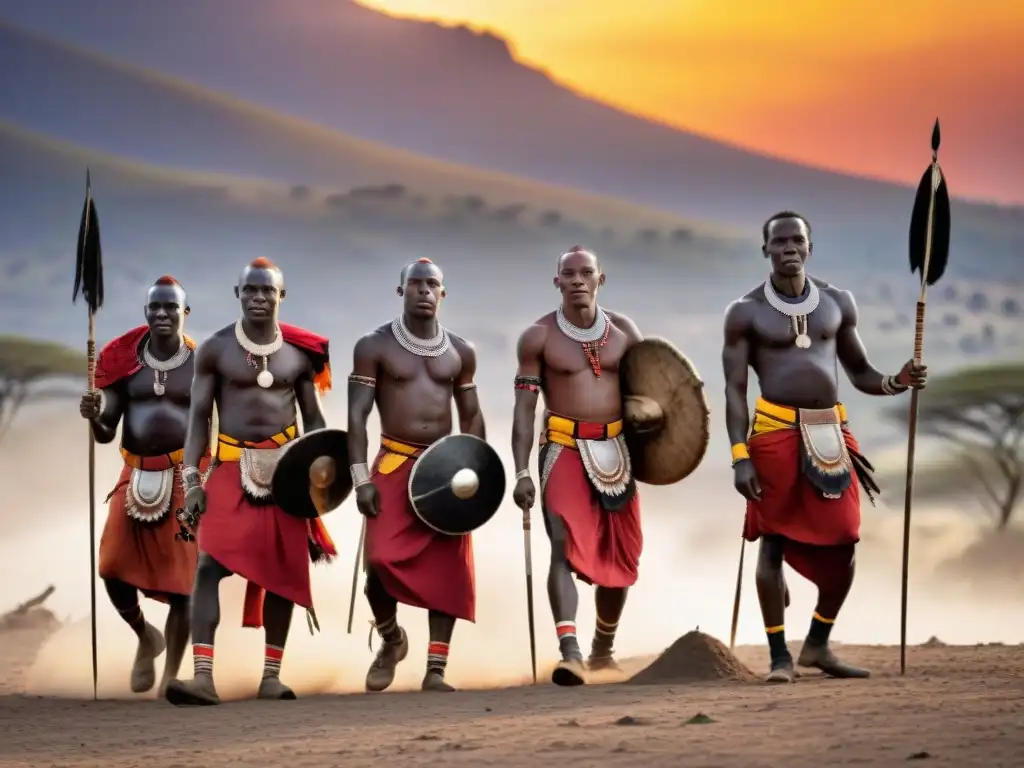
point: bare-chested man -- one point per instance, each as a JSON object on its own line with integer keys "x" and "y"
{"x": 592, "y": 517}
{"x": 796, "y": 462}
{"x": 144, "y": 377}
{"x": 256, "y": 371}
{"x": 411, "y": 368}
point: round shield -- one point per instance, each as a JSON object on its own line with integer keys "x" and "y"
{"x": 668, "y": 421}
{"x": 307, "y": 487}
{"x": 457, "y": 484}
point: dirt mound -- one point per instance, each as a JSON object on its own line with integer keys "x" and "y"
{"x": 694, "y": 657}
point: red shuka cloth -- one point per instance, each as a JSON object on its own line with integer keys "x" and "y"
{"x": 148, "y": 556}
{"x": 261, "y": 543}
{"x": 789, "y": 505}
{"x": 602, "y": 547}
{"x": 316, "y": 348}
{"x": 119, "y": 358}
{"x": 416, "y": 565}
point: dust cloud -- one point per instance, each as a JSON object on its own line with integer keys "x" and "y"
{"x": 959, "y": 592}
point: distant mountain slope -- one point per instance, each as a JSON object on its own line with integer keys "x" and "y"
{"x": 330, "y": 239}
{"x": 445, "y": 92}
{"x": 93, "y": 101}
{"x": 450, "y": 93}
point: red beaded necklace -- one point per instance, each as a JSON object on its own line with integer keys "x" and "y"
{"x": 592, "y": 349}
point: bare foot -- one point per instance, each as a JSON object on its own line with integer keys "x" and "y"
{"x": 821, "y": 657}
{"x": 198, "y": 691}
{"x": 434, "y": 681}
{"x": 782, "y": 672}
{"x": 382, "y": 671}
{"x": 569, "y": 672}
{"x": 150, "y": 646}
{"x": 271, "y": 688}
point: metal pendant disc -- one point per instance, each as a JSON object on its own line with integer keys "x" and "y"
{"x": 803, "y": 341}
{"x": 158, "y": 389}
{"x": 265, "y": 379}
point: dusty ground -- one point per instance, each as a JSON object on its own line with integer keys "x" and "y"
{"x": 957, "y": 706}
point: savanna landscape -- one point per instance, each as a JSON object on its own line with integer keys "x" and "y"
{"x": 204, "y": 152}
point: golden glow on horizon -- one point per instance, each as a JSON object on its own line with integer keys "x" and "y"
{"x": 849, "y": 86}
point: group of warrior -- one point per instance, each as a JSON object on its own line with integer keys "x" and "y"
{"x": 794, "y": 460}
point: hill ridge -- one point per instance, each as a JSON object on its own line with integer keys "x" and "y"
{"x": 414, "y": 95}
{"x": 466, "y": 178}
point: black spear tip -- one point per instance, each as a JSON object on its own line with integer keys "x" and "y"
{"x": 936, "y": 137}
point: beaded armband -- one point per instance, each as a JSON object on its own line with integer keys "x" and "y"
{"x": 890, "y": 387}
{"x": 366, "y": 381}
{"x": 739, "y": 453}
{"x": 528, "y": 383}
{"x": 466, "y": 387}
{"x": 189, "y": 478}
{"x": 360, "y": 474}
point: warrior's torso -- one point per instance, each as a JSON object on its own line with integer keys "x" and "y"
{"x": 570, "y": 385}
{"x": 245, "y": 410}
{"x": 156, "y": 424}
{"x": 414, "y": 392}
{"x": 788, "y": 374}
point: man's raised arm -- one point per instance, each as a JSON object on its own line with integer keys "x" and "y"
{"x": 851, "y": 352}
{"x": 528, "y": 382}
{"x": 204, "y": 390}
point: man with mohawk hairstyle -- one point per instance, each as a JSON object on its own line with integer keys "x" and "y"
{"x": 256, "y": 371}
{"x": 411, "y": 368}
{"x": 143, "y": 382}
{"x": 591, "y": 507}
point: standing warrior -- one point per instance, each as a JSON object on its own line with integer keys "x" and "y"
{"x": 144, "y": 377}
{"x": 256, "y": 371}
{"x": 797, "y": 464}
{"x": 411, "y": 368}
{"x": 587, "y": 491}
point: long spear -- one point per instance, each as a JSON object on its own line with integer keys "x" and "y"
{"x": 736, "y": 597}
{"x": 89, "y": 284}
{"x": 929, "y": 254}
{"x": 355, "y": 575}
{"x": 528, "y": 553}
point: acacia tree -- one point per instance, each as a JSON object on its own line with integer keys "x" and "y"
{"x": 979, "y": 414}
{"x": 25, "y": 364}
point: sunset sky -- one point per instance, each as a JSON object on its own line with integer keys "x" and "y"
{"x": 851, "y": 86}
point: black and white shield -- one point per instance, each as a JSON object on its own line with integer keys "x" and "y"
{"x": 457, "y": 484}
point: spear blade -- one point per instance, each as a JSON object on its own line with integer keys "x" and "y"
{"x": 89, "y": 256}
{"x": 929, "y": 251}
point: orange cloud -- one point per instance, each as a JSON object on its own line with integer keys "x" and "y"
{"x": 853, "y": 86}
